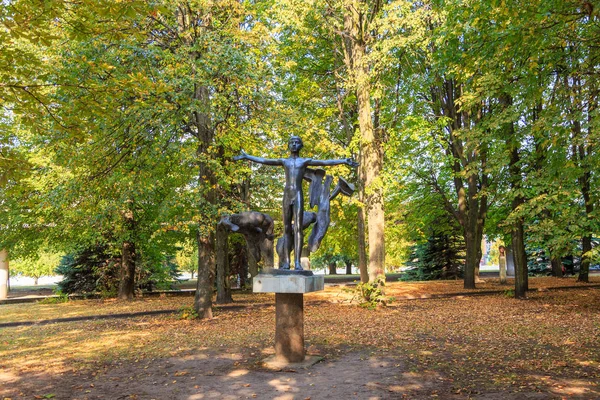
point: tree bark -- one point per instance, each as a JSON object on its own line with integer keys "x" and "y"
{"x": 362, "y": 243}
{"x": 35, "y": 280}
{"x": 128, "y": 258}
{"x": 222, "y": 255}
{"x": 520, "y": 258}
{"x": 586, "y": 251}
{"x": 206, "y": 274}
{"x": 557, "y": 267}
{"x": 356, "y": 40}
{"x": 348, "y": 268}
{"x": 4, "y": 274}
{"x": 332, "y": 269}
{"x": 471, "y": 259}
{"x": 127, "y": 282}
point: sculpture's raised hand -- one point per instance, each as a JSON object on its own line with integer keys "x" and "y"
{"x": 351, "y": 162}
{"x": 243, "y": 155}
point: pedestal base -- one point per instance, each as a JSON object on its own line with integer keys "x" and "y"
{"x": 289, "y": 327}
{"x": 277, "y": 364}
{"x": 289, "y": 288}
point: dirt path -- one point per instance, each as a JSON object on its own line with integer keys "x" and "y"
{"x": 238, "y": 375}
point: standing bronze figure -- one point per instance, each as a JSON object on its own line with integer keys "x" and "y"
{"x": 293, "y": 199}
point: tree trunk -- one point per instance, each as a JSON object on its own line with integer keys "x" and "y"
{"x": 222, "y": 255}
{"x": 204, "y": 286}
{"x": 362, "y": 245}
{"x": 35, "y": 280}
{"x": 127, "y": 283}
{"x": 348, "y": 268}
{"x": 586, "y": 258}
{"x": 517, "y": 231}
{"x": 371, "y": 163}
{"x": 557, "y": 267}
{"x": 356, "y": 41}
{"x": 3, "y": 274}
{"x": 520, "y": 259}
{"x": 332, "y": 268}
{"x": 471, "y": 261}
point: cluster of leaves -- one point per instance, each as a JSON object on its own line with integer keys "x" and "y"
{"x": 42, "y": 264}
{"x": 372, "y": 294}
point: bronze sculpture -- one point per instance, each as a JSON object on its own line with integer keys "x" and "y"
{"x": 293, "y": 199}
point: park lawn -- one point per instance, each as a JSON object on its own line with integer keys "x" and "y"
{"x": 465, "y": 345}
{"x": 336, "y": 293}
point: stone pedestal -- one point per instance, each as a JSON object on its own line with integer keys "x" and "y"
{"x": 289, "y": 327}
{"x": 289, "y": 288}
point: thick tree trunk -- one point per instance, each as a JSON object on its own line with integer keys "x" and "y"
{"x": 471, "y": 262}
{"x": 332, "y": 269}
{"x": 520, "y": 258}
{"x": 362, "y": 246}
{"x": 222, "y": 255}
{"x": 371, "y": 160}
{"x": 127, "y": 283}
{"x": 586, "y": 258}
{"x": 206, "y": 264}
{"x": 557, "y": 267}
{"x": 348, "y": 268}
{"x": 3, "y": 274}
{"x": 355, "y": 40}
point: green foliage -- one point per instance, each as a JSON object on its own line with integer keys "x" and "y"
{"x": 187, "y": 312}
{"x": 106, "y": 138}
{"x": 95, "y": 270}
{"x": 60, "y": 298}
{"x": 440, "y": 257}
{"x": 42, "y": 264}
{"x": 327, "y": 260}
{"x": 372, "y": 294}
{"x": 91, "y": 270}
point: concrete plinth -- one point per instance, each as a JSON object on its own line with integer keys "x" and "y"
{"x": 271, "y": 281}
{"x": 289, "y": 327}
{"x": 289, "y": 288}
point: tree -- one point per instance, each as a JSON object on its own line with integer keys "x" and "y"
{"x": 43, "y": 265}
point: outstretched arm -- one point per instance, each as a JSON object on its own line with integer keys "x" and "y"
{"x": 324, "y": 163}
{"x": 266, "y": 161}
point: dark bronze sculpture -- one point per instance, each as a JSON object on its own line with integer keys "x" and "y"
{"x": 295, "y": 168}
{"x": 257, "y": 228}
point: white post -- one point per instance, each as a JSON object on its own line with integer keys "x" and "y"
{"x": 3, "y": 274}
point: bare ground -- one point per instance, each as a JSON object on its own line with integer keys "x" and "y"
{"x": 487, "y": 348}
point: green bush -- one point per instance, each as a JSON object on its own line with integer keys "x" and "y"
{"x": 95, "y": 270}
{"x": 91, "y": 270}
{"x": 442, "y": 256}
{"x": 372, "y": 294}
